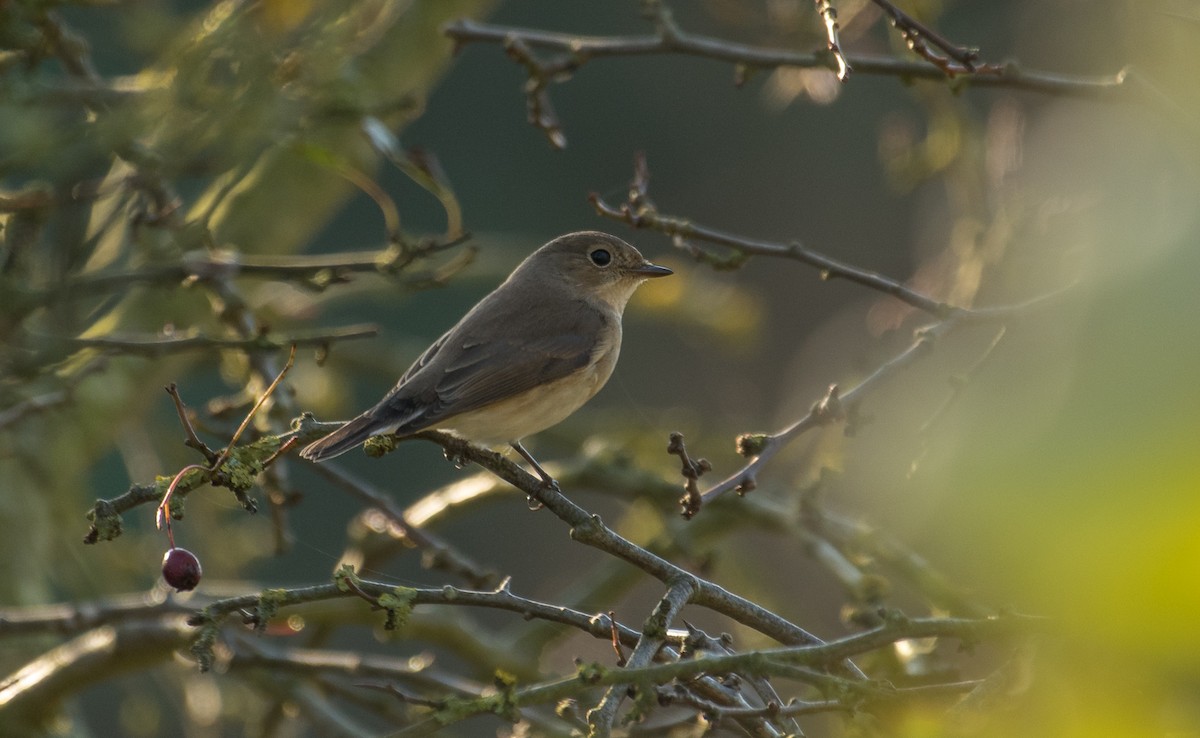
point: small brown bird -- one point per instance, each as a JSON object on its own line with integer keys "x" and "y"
{"x": 523, "y": 359}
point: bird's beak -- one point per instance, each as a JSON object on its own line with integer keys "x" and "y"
{"x": 651, "y": 270}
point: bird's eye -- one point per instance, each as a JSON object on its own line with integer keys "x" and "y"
{"x": 600, "y": 257}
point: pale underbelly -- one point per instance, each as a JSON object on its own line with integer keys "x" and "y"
{"x": 536, "y": 410}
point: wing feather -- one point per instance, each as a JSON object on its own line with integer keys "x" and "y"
{"x": 467, "y": 369}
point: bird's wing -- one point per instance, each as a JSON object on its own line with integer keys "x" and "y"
{"x": 463, "y": 372}
{"x": 424, "y": 359}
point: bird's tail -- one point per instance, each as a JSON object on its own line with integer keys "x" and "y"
{"x": 352, "y": 434}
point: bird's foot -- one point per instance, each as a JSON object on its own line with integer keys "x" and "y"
{"x": 549, "y": 484}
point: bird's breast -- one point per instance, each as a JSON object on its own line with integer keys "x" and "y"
{"x": 537, "y": 409}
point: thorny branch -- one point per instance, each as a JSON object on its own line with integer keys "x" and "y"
{"x": 588, "y": 529}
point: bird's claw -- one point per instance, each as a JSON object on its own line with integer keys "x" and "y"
{"x": 548, "y": 484}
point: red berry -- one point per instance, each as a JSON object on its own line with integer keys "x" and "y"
{"x": 181, "y": 569}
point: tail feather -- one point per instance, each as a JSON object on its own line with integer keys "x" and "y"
{"x": 353, "y": 433}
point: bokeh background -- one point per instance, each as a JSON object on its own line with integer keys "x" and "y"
{"x": 1062, "y": 481}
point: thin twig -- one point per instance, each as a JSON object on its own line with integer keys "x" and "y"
{"x": 835, "y": 405}
{"x": 501, "y": 598}
{"x": 540, "y": 110}
{"x": 163, "y": 512}
{"x": 438, "y": 553}
{"x": 74, "y": 617}
{"x": 691, "y": 471}
{"x": 154, "y": 346}
{"x": 281, "y": 452}
{"x": 958, "y": 385}
{"x": 622, "y": 659}
{"x": 676, "y": 695}
{"x": 230, "y": 307}
{"x": 829, "y": 15}
{"x": 192, "y": 441}
{"x": 640, "y": 212}
{"x": 254, "y": 410}
{"x": 406, "y": 697}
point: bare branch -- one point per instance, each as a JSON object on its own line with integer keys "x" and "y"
{"x": 154, "y": 346}
{"x": 597, "y": 625}
{"x": 586, "y": 48}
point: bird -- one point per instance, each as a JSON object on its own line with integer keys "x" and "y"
{"x": 523, "y": 359}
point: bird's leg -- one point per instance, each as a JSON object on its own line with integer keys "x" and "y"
{"x": 547, "y": 481}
